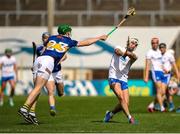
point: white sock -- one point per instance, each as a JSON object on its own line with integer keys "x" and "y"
{"x": 129, "y": 116}
{"x": 1, "y": 102}
{"x": 10, "y": 99}
{"x": 111, "y": 114}
{"x": 32, "y": 113}
{"x": 151, "y": 105}
{"x": 162, "y": 108}
{"x": 23, "y": 109}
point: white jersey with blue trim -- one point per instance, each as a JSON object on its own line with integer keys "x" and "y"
{"x": 119, "y": 66}
{"x": 155, "y": 57}
{"x": 7, "y": 66}
{"x": 167, "y": 60}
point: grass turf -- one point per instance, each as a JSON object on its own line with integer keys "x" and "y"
{"x": 85, "y": 114}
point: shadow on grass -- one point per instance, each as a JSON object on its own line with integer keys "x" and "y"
{"x": 25, "y": 123}
{"x": 100, "y": 121}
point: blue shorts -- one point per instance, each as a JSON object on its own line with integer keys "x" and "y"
{"x": 160, "y": 76}
{"x": 167, "y": 78}
{"x": 5, "y": 79}
{"x": 123, "y": 84}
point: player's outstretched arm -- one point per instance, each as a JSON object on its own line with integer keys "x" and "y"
{"x": 90, "y": 41}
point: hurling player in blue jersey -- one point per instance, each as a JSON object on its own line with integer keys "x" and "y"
{"x": 55, "y": 79}
{"x": 56, "y": 47}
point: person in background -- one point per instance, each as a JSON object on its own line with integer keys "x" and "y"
{"x": 169, "y": 66}
{"x": 153, "y": 60}
{"x": 9, "y": 74}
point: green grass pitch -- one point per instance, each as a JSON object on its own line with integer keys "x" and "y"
{"x": 85, "y": 114}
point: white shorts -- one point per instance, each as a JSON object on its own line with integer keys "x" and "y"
{"x": 43, "y": 67}
{"x": 57, "y": 77}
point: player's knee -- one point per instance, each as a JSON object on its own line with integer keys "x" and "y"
{"x": 13, "y": 87}
{"x": 50, "y": 92}
{"x": 60, "y": 89}
{"x": 36, "y": 90}
{"x": 121, "y": 98}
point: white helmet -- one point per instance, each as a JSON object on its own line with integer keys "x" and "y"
{"x": 134, "y": 40}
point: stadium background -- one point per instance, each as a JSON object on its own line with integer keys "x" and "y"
{"x": 23, "y": 21}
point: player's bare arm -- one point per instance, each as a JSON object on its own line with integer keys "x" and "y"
{"x": 90, "y": 41}
{"x": 147, "y": 67}
{"x": 131, "y": 55}
{"x": 63, "y": 59}
{"x": 176, "y": 71}
{"x": 16, "y": 71}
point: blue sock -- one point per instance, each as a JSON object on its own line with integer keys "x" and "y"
{"x": 157, "y": 107}
{"x": 171, "y": 104}
{"x": 52, "y": 107}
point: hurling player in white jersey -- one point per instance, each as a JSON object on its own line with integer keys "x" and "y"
{"x": 168, "y": 62}
{"x": 120, "y": 65}
{"x": 57, "y": 46}
{"x": 8, "y": 74}
{"x": 153, "y": 60}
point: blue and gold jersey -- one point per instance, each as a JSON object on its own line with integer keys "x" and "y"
{"x": 58, "y": 45}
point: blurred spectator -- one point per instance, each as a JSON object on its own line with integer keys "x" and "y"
{"x": 8, "y": 74}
